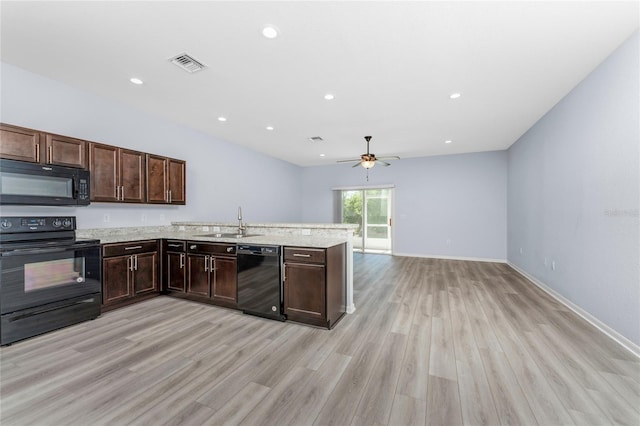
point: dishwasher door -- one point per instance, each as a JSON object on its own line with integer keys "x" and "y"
{"x": 259, "y": 281}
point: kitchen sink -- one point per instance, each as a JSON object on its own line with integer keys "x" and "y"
{"x": 228, "y": 235}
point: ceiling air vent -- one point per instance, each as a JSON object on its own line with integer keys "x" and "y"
{"x": 316, "y": 139}
{"x": 187, "y": 63}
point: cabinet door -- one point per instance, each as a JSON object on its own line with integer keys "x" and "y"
{"x": 176, "y": 275}
{"x": 132, "y": 176}
{"x": 198, "y": 274}
{"x": 177, "y": 181}
{"x": 224, "y": 283}
{"x": 145, "y": 272}
{"x": 157, "y": 190}
{"x": 116, "y": 283}
{"x": 20, "y": 144}
{"x": 304, "y": 290}
{"x": 103, "y": 165}
{"x": 65, "y": 151}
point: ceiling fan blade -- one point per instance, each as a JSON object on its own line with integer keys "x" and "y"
{"x": 391, "y": 157}
{"x": 348, "y": 161}
{"x": 384, "y": 163}
{"x": 355, "y": 165}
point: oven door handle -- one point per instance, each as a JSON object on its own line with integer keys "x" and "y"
{"x": 19, "y": 252}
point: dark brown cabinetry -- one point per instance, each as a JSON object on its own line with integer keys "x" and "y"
{"x": 17, "y": 143}
{"x": 117, "y": 174}
{"x": 174, "y": 266}
{"x": 129, "y": 272}
{"x": 315, "y": 284}
{"x": 212, "y": 272}
{"x": 165, "y": 180}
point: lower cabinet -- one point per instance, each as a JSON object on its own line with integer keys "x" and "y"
{"x": 315, "y": 284}
{"x": 202, "y": 271}
{"x": 129, "y": 272}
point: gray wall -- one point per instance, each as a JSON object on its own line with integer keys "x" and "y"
{"x": 452, "y": 205}
{"x": 573, "y": 195}
{"x": 220, "y": 175}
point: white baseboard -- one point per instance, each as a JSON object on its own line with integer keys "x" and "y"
{"x": 617, "y": 337}
{"x": 435, "y": 256}
{"x": 351, "y": 308}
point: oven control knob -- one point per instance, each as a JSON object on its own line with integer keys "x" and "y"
{"x": 5, "y": 224}
{"x": 66, "y": 223}
{"x": 56, "y": 223}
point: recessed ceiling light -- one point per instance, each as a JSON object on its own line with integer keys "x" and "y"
{"x": 321, "y": 155}
{"x": 269, "y": 128}
{"x": 270, "y": 31}
{"x": 328, "y": 96}
{"x": 448, "y": 141}
{"x": 222, "y": 119}
{"x": 455, "y": 95}
{"x": 135, "y": 80}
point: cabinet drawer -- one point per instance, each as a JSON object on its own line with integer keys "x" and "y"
{"x": 174, "y": 245}
{"x": 211, "y": 248}
{"x": 307, "y": 255}
{"x": 133, "y": 247}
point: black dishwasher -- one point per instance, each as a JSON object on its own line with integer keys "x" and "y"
{"x": 259, "y": 281}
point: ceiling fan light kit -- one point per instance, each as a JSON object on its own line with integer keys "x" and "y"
{"x": 369, "y": 160}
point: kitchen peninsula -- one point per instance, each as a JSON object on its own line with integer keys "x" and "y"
{"x": 317, "y": 239}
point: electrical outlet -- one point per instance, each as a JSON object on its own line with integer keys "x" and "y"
{"x": 521, "y": 251}
{"x": 216, "y": 229}
{"x": 306, "y": 231}
{"x": 205, "y": 228}
{"x": 553, "y": 265}
{"x": 105, "y": 218}
{"x": 162, "y": 218}
{"x": 143, "y": 218}
{"x": 181, "y": 228}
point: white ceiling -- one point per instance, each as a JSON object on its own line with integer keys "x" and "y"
{"x": 390, "y": 65}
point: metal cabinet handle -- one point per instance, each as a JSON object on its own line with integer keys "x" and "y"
{"x": 122, "y": 193}
{"x": 206, "y": 263}
{"x": 181, "y": 260}
{"x": 133, "y": 247}
{"x": 212, "y": 265}
{"x": 130, "y": 263}
{"x": 301, "y": 255}
{"x": 170, "y": 197}
{"x": 37, "y": 153}
{"x": 193, "y": 247}
{"x": 229, "y": 249}
{"x": 117, "y": 192}
{"x": 136, "y": 259}
{"x": 284, "y": 273}
{"x": 166, "y": 195}
{"x": 50, "y": 160}
{"x": 174, "y": 245}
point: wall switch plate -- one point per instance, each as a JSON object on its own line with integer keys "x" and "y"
{"x": 553, "y": 265}
{"x": 143, "y": 218}
{"x": 306, "y": 231}
{"x": 521, "y": 251}
{"x": 180, "y": 228}
{"x": 205, "y": 228}
{"x": 216, "y": 229}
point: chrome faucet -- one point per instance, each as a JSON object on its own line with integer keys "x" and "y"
{"x": 241, "y": 227}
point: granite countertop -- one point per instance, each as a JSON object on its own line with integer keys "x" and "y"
{"x": 278, "y": 240}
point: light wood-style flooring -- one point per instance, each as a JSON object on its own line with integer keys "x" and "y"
{"x": 433, "y": 342}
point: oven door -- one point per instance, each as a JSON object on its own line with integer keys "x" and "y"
{"x": 32, "y": 277}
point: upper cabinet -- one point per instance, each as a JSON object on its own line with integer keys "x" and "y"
{"x": 165, "y": 180}
{"x": 117, "y": 174}
{"x": 17, "y": 143}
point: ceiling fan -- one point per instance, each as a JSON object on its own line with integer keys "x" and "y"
{"x": 369, "y": 160}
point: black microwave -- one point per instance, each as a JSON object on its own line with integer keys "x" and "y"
{"x": 33, "y": 184}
